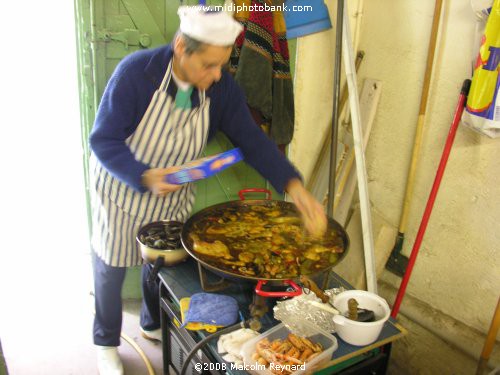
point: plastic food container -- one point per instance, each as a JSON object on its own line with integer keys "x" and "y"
{"x": 327, "y": 341}
{"x": 360, "y": 333}
{"x": 205, "y": 167}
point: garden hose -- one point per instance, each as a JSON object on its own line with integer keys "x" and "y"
{"x": 141, "y": 353}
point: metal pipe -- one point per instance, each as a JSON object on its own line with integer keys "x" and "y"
{"x": 336, "y": 106}
{"x": 359, "y": 153}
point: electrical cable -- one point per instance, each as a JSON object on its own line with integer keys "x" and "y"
{"x": 193, "y": 351}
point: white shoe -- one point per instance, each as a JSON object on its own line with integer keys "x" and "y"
{"x": 108, "y": 360}
{"x": 154, "y": 335}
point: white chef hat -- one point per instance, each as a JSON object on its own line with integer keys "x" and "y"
{"x": 208, "y": 26}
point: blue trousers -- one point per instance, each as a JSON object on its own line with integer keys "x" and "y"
{"x": 108, "y": 283}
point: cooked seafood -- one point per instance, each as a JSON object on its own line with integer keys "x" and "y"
{"x": 216, "y": 248}
{"x": 162, "y": 236}
{"x": 263, "y": 242}
{"x": 294, "y": 350}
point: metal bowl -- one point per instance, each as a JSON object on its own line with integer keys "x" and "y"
{"x": 171, "y": 255}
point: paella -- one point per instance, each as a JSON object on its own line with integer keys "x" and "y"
{"x": 263, "y": 241}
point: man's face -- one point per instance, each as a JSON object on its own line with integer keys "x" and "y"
{"x": 203, "y": 67}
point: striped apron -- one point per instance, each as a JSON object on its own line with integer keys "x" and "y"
{"x": 166, "y": 136}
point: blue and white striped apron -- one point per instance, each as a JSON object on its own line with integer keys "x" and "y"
{"x": 166, "y": 136}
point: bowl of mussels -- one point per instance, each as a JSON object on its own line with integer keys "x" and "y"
{"x": 162, "y": 239}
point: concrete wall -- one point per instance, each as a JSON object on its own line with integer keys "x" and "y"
{"x": 457, "y": 273}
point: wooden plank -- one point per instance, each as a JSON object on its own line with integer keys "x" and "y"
{"x": 116, "y": 50}
{"x": 144, "y": 21}
{"x": 157, "y": 9}
{"x": 317, "y": 183}
{"x": 365, "y": 349}
{"x": 352, "y": 268}
{"x": 347, "y": 180}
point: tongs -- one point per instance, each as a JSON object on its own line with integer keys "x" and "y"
{"x": 313, "y": 287}
{"x": 360, "y": 315}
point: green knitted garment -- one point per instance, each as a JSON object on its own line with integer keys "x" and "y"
{"x": 183, "y": 98}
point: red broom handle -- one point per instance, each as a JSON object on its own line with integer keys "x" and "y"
{"x": 432, "y": 197}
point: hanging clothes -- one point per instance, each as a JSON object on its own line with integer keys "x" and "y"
{"x": 260, "y": 63}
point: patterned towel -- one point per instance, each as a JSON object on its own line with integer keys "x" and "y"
{"x": 184, "y": 302}
{"x": 260, "y": 63}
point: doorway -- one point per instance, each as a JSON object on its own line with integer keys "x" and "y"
{"x": 44, "y": 272}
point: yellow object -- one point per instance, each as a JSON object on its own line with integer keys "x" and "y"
{"x": 147, "y": 362}
{"x": 484, "y": 81}
{"x": 195, "y": 326}
{"x": 242, "y": 14}
{"x": 243, "y": 10}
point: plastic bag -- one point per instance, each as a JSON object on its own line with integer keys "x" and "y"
{"x": 482, "y": 112}
{"x": 482, "y": 8}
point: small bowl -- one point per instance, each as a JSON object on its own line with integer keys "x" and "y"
{"x": 170, "y": 257}
{"x": 360, "y": 333}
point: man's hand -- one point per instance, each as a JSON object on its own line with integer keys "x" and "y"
{"x": 154, "y": 180}
{"x": 312, "y": 211}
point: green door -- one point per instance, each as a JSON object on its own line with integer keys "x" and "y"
{"x": 107, "y": 31}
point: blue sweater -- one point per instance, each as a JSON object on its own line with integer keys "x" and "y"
{"x": 127, "y": 96}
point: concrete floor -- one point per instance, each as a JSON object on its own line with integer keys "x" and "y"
{"x": 51, "y": 343}
{"x": 55, "y": 344}
{"x": 46, "y": 328}
{"x": 46, "y": 322}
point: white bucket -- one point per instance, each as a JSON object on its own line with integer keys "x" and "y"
{"x": 360, "y": 333}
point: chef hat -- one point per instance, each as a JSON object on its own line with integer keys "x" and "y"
{"x": 212, "y": 27}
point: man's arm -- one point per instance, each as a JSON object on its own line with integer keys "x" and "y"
{"x": 262, "y": 154}
{"x": 116, "y": 120}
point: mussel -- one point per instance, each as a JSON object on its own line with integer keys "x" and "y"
{"x": 163, "y": 237}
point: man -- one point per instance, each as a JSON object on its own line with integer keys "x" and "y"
{"x": 158, "y": 111}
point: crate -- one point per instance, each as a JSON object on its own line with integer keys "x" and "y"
{"x": 316, "y": 335}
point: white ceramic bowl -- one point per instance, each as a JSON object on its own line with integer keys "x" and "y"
{"x": 360, "y": 333}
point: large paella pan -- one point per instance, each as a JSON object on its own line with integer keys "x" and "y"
{"x": 261, "y": 240}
